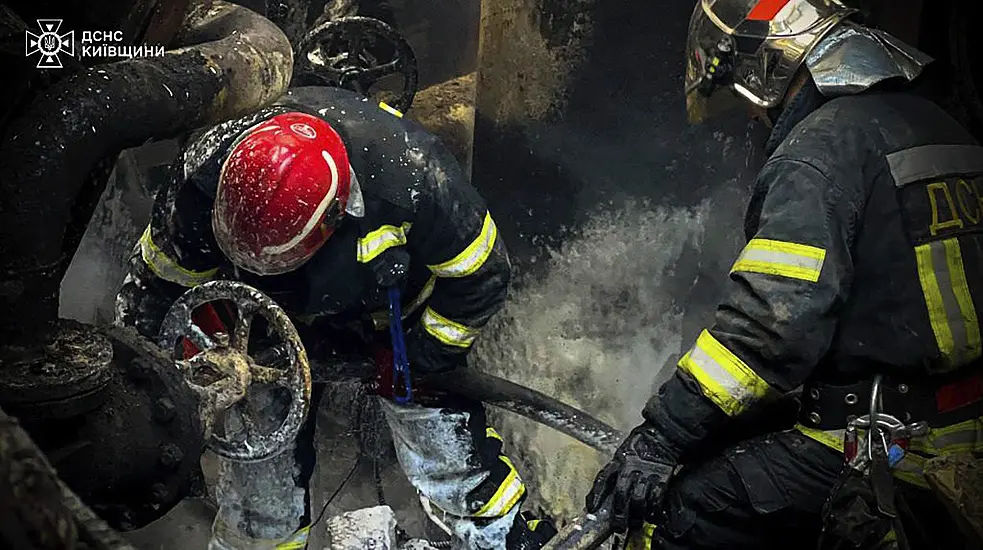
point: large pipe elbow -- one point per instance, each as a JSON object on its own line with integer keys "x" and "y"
{"x": 231, "y": 61}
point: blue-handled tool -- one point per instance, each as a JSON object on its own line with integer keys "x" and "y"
{"x": 401, "y": 365}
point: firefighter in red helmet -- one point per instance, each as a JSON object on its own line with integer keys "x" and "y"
{"x": 325, "y": 202}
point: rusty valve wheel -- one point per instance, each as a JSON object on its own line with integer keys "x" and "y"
{"x": 224, "y": 375}
{"x": 356, "y": 53}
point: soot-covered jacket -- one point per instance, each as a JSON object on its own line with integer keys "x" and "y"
{"x": 412, "y": 201}
{"x": 864, "y": 256}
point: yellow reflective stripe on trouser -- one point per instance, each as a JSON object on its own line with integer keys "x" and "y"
{"x": 964, "y": 437}
{"x": 831, "y": 438}
{"x": 507, "y": 495}
{"x": 297, "y": 541}
{"x": 950, "y": 306}
{"x": 382, "y": 239}
{"x": 473, "y": 256}
{"x": 447, "y": 331}
{"x": 724, "y": 377}
{"x": 785, "y": 259}
{"x": 167, "y": 268}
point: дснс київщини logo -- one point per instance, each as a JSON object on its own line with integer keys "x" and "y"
{"x": 49, "y": 43}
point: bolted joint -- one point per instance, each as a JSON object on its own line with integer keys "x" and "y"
{"x": 164, "y": 410}
{"x": 171, "y": 455}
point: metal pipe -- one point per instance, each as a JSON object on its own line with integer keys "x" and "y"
{"x": 52, "y": 516}
{"x": 584, "y": 533}
{"x": 239, "y": 62}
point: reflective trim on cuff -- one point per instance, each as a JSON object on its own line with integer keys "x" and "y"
{"x": 447, "y": 331}
{"x": 724, "y": 378}
{"x": 507, "y": 495}
{"x": 473, "y": 256}
{"x": 784, "y": 259}
{"x": 382, "y": 239}
{"x": 167, "y": 268}
{"x": 297, "y": 541}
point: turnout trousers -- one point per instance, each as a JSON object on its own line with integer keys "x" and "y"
{"x": 449, "y": 454}
{"x": 767, "y": 493}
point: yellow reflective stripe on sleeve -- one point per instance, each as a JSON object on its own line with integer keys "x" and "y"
{"x": 950, "y": 307}
{"x": 474, "y": 256}
{"x": 382, "y": 239}
{"x": 723, "y": 376}
{"x": 492, "y": 434}
{"x": 390, "y": 109}
{"x": 507, "y": 495}
{"x": 447, "y": 331}
{"x": 785, "y": 259}
{"x": 167, "y": 268}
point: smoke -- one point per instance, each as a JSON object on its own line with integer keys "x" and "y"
{"x": 603, "y": 326}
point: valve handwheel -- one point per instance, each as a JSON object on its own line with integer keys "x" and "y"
{"x": 356, "y": 53}
{"x": 225, "y": 375}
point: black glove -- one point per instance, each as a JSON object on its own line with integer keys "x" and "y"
{"x": 390, "y": 267}
{"x": 637, "y": 477}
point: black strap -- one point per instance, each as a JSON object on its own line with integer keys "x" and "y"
{"x": 828, "y": 406}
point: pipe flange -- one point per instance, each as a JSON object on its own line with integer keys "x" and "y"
{"x": 63, "y": 378}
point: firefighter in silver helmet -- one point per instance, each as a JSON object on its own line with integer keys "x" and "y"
{"x": 864, "y": 262}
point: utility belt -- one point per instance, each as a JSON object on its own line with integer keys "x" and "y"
{"x": 944, "y": 401}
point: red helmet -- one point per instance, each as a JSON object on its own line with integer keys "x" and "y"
{"x": 282, "y": 190}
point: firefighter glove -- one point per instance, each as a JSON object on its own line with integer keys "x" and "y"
{"x": 635, "y": 479}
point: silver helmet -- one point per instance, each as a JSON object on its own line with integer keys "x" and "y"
{"x": 752, "y": 50}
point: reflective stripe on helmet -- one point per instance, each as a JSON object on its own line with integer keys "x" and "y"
{"x": 766, "y": 10}
{"x": 447, "y": 331}
{"x": 281, "y": 190}
{"x": 724, "y": 378}
{"x": 382, "y": 239}
{"x": 473, "y": 256}
{"x": 315, "y": 218}
{"x": 167, "y": 268}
